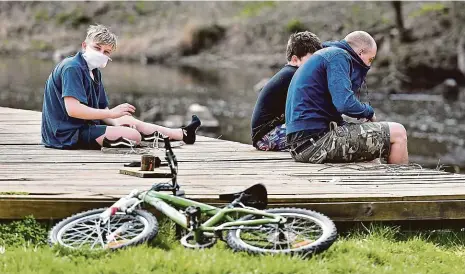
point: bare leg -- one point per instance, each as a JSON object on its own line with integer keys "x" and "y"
{"x": 148, "y": 128}
{"x": 113, "y": 133}
{"x": 399, "y": 151}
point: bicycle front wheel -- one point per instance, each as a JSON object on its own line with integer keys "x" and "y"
{"x": 305, "y": 232}
{"x": 83, "y": 230}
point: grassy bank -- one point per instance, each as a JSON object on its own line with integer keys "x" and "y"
{"x": 373, "y": 250}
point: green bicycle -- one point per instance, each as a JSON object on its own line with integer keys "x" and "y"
{"x": 244, "y": 223}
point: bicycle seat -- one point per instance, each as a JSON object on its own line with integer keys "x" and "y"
{"x": 255, "y": 196}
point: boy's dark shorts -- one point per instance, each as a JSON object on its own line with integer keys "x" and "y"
{"x": 88, "y": 135}
{"x": 344, "y": 144}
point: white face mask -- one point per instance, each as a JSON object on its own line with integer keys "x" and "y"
{"x": 95, "y": 59}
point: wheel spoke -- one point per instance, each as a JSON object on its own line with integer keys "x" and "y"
{"x": 299, "y": 230}
{"x": 288, "y": 243}
{"x": 88, "y": 231}
{"x": 85, "y": 240}
{"x": 93, "y": 244}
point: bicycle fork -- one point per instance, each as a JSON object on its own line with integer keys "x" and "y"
{"x": 126, "y": 204}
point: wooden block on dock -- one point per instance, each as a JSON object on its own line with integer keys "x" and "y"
{"x": 135, "y": 171}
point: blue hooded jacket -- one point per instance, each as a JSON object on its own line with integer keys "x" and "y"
{"x": 322, "y": 89}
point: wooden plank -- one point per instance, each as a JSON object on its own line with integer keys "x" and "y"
{"x": 357, "y": 211}
{"x": 389, "y": 211}
{"x": 276, "y": 192}
{"x": 48, "y": 208}
{"x": 21, "y": 159}
{"x": 202, "y": 167}
{"x": 24, "y": 140}
{"x": 338, "y": 178}
{"x": 111, "y": 174}
{"x": 182, "y": 151}
{"x": 223, "y": 167}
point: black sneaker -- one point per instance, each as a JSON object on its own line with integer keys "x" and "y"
{"x": 119, "y": 143}
{"x": 152, "y": 137}
{"x": 189, "y": 131}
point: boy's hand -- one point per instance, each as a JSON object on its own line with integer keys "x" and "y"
{"x": 122, "y": 110}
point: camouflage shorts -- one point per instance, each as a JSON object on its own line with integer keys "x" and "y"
{"x": 343, "y": 144}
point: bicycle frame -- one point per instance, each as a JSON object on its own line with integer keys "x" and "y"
{"x": 167, "y": 204}
{"x": 163, "y": 203}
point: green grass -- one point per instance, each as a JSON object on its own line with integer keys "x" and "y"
{"x": 253, "y": 8}
{"x": 26, "y": 232}
{"x": 373, "y": 250}
{"x": 75, "y": 18}
{"x": 428, "y": 8}
{"x": 140, "y": 8}
{"x": 295, "y": 25}
{"x": 41, "y": 15}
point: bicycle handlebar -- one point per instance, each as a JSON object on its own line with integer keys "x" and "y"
{"x": 170, "y": 157}
{"x": 172, "y": 163}
{"x": 166, "y": 139}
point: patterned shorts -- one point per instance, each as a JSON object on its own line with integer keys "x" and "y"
{"x": 274, "y": 140}
{"x": 344, "y": 144}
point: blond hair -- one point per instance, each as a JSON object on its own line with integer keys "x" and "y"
{"x": 101, "y": 35}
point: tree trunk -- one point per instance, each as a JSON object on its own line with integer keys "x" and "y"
{"x": 403, "y": 32}
{"x": 399, "y": 19}
{"x": 459, "y": 33}
{"x": 461, "y": 53}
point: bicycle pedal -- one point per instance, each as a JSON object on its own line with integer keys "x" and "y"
{"x": 219, "y": 235}
{"x": 193, "y": 217}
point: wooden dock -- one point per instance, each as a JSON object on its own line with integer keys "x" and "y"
{"x": 51, "y": 183}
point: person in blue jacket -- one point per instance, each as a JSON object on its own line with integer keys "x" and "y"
{"x": 321, "y": 91}
{"x": 76, "y": 112}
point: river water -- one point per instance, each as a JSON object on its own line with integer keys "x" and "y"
{"x": 164, "y": 94}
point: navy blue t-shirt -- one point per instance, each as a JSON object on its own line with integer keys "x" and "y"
{"x": 271, "y": 102}
{"x": 69, "y": 78}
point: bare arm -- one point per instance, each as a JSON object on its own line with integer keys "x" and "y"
{"x": 77, "y": 110}
{"x": 109, "y": 121}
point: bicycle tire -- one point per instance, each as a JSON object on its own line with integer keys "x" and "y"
{"x": 149, "y": 232}
{"x": 323, "y": 242}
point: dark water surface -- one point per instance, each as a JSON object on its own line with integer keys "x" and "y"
{"x": 164, "y": 94}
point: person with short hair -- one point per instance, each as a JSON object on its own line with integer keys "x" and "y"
{"x": 268, "y": 128}
{"x": 321, "y": 91}
{"x": 76, "y": 113}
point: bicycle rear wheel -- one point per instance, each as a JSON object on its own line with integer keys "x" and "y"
{"x": 305, "y": 232}
{"x": 82, "y": 230}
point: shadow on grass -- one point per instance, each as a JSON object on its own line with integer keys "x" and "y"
{"x": 86, "y": 253}
{"x": 447, "y": 238}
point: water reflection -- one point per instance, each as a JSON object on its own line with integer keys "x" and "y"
{"x": 435, "y": 127}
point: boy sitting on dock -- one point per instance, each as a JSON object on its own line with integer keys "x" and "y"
{"x": 268, "y": 128}
{"x": 75, "y": 112}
